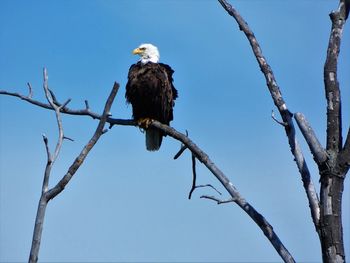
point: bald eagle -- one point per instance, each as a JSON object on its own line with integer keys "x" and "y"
{"x": 151, "y": 93}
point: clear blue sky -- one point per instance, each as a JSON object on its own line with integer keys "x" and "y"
{"x": 126, "y": 204}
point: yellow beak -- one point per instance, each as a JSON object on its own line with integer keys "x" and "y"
{"x": 137, "y": 51}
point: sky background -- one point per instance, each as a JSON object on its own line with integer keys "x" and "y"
{"x": 126, "y": 204}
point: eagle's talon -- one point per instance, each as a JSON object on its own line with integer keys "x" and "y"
{"x": 144, "y": 123}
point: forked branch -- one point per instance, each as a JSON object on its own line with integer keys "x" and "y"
{"x": 332, "y": 91}
{"x": 227, "y": 184}
{"x": 194, "y": 178}
{"x": 287, "y": 119}
{"x": 87, "y": 148}
{"x": 320, "y": 154}
{"x": 187, "y": 144}
{"x": 46, "y": 194}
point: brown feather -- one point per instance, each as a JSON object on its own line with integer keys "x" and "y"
{"x": 151, "y": 92}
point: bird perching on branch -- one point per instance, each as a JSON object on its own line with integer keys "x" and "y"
{"x": 151, "y": 93}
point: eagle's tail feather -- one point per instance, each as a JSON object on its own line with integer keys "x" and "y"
{"x": 153, "y": 139}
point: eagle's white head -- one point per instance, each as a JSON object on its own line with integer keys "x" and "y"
{"x": 148, "y": 53}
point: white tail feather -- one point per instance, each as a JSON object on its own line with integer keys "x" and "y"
{"x": 153, "y": 139}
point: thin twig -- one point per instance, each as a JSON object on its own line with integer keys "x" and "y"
{"x": 87, "y": 106}
{"x": 217, "y": 200}
{"x": 182, "y": 149}
{"x": 48, "y": 166}
{"x": 67, "y": 138}
{"x": 46, "y": 142}
{"x": 275, "y": 119}
{"x": 179, "y": 153}
{"x": 65, "y": 104}
{"x": 194, "y": 179}
{"x": 30, "y": 95}
{"x": 209, "y": 185}
{"x": 194, "y": 176}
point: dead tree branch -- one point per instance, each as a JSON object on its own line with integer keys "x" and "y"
{"x": 283, "y": 110}
{"x": 320, "y": 155}
{"x": 194, "y": 175}
{"x": 182, "y": 149}
{"x": 59, "y": 187}
{"x": 236, "y": 196}
{"x": 194, "y": 178}
{"x": 334, "y": 162}
{"x": 334, "y": 169}
{"x": 48, "y": 194}
{"x": 278, "y": 121}
{"x": 30, "y": 89}
{"x": 332, "y": 91}
{"x": 81, "y": 112}
{"x": 217, "y": 200}
{"x": 178, "y": 154}
{"x": 187, "y": 143}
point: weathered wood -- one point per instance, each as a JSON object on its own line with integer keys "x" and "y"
{"x": 46, "y": 193}
{"x": 334, "y": 169}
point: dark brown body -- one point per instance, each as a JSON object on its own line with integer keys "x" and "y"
{"x": 151, "y": 93}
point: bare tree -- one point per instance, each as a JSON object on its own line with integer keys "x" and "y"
{"x": 49, "y": 194}
{"x": 333, "y": 160}
{"x": 197, "y": 153}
